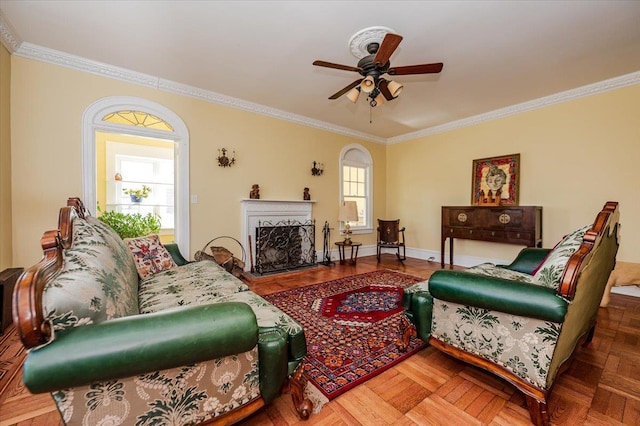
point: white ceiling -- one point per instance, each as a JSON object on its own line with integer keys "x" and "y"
{"x": 496, "y": 54}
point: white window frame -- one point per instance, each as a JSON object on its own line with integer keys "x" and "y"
{"x": 122, "y": 151}
{"x": 356, "y": 155}
{"x": 92, "y": 122}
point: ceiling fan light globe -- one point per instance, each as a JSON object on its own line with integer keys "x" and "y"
{"x": 379, "y": 99}
{"x": 367, "y": 85}
{"x": 394, "y": 88}
{"x": 353, "y": 94}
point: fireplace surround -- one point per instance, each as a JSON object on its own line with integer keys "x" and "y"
{"x": 272, "y": 212}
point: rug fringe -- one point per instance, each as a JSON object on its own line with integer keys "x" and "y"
{"x": 315, "y": 396}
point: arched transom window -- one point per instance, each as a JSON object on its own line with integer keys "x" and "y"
{"x": 138, "y": 118}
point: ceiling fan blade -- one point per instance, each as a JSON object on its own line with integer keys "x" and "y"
{"x": 416, "y": 69}
{"x": 384, "y": 89}
{"x": 346, "y": 89}
{"x": 336, "y": 66}
{"x": 386, "y": 49}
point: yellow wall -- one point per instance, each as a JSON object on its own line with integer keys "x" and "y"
{"x": 47, "y": 108}
{"x": 574, "y": 157}
{"x": 5, "y": 159}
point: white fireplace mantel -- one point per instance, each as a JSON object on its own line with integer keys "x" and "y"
{"x": 258, "y": 210}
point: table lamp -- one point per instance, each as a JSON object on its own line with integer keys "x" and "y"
{"x": 348, "y": 212}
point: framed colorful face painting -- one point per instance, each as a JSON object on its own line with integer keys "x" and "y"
{"x": 496, "y": 176}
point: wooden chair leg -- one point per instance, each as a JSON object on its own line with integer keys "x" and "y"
{"x": 590, "y": 334}
{"x": 302, "y": 406}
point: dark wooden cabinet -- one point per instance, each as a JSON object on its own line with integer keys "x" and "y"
{"x": 500, "y": 224}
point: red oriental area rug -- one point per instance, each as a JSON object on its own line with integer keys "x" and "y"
{"x": 351, "y": 325}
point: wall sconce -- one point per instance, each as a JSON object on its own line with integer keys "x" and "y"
{"x": 317, "y": 169}
{"x": 223, "y": 160}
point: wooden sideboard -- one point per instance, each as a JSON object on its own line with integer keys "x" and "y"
{"x": 499, "y": 224}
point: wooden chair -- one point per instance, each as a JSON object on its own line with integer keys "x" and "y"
{"x": 390, "y": 235}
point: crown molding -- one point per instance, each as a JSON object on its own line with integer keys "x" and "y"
{"x": 217, "y": 98}
{"x": 39, "y": 53}
{"x": 27, "y": 50}
{"x": 568, "y": 95}
{"x": 8, "y": 36}
{"x": 43, "y": 54}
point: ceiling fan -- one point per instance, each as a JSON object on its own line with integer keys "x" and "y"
{"x": 375, "y": 64}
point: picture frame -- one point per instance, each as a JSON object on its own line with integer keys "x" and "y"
{"x": 503, "y": 173}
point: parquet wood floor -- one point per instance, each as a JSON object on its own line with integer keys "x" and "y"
{"x": 601, "y": 387}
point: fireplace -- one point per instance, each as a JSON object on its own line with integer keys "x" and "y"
{"x": 285, "y": 245}
{"x": 291, "y": 215}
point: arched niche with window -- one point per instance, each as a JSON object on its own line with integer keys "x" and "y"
{"x": 356, "y": 184}
{"x": 138, "y": 118}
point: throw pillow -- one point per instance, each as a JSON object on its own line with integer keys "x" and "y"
{"x": 551, "y": 270}
{"x": 149, "y": 255}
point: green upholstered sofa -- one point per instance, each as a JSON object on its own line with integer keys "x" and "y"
{"x": 186, "y": 345}
{"x": 521, "y": 321}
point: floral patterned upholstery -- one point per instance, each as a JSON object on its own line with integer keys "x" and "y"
{"x": 183, "y": 396}
{"x": 414, "y": 288}
{"x": 522, "y": 345}
{"x": 195, "y": 283}
{"x": 98, "y": 256}
{"x": 550, "y": 270}
{"x": 491, "y": 270}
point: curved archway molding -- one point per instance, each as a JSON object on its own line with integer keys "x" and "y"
{"x": 92, "y": 122}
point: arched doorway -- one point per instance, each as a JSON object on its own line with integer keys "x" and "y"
{"x": 98, "y": 117}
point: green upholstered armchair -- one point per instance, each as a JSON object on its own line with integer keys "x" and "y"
{"x": 521, "y": 321}
{"x": 185, "y": 346}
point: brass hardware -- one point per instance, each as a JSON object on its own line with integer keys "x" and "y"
{"x": 504, "y": 218}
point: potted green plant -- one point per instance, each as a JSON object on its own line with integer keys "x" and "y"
{"x": 129, "y": 225}
{"x": 137, "y": 194}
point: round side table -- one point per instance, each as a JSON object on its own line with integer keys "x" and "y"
{"x": 354, "y": 252}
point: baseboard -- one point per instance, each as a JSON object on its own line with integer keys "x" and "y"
{"x": 628, "y": 290}
{"x": 428, "y": 255}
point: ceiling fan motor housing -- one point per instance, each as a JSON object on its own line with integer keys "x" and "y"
{"x": 369, "y": 68}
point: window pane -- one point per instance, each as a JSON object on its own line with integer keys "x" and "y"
{"x": 136, "y": 170}
{"x": 354, "y": 182}
{"x": 136, "y": 166}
